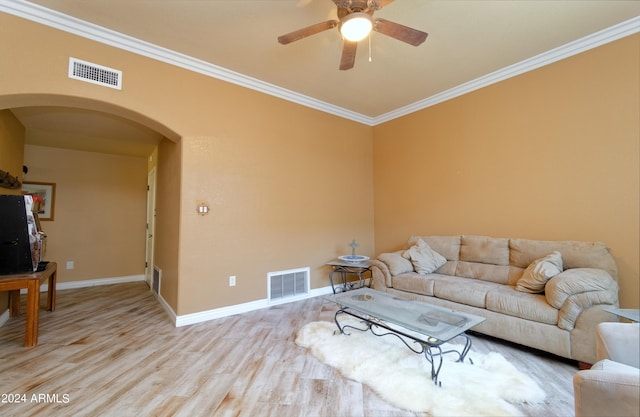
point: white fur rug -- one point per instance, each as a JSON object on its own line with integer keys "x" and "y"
{"x": 489, "y": 387}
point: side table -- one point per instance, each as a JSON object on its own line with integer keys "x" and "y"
{"x": 632, "y": 314}
{"x": 360, "y": 269}
{"x": 30, "y": 281}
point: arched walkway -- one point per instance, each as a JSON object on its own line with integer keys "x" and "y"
{"x": 10, "y": 101}
{"x": 168, "y": 191}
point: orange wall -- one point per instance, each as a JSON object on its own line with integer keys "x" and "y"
{"x": 289, "y": 186}
{"x": 289, "y": 190}
{"x": 167, "y": 223}
{"x": 551, "y": 154}
{"x": 11, "y": 155}
{"x": 100, "y": 211}
{"x": 541, "y": 156}
{"x": 11, "y": 147}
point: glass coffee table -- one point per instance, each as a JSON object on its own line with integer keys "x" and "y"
{"x": 422, "y": 327}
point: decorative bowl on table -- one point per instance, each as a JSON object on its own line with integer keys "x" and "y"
{"x": 353, "y": 258}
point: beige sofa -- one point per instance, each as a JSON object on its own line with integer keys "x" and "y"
{"x": 548, "y": 295}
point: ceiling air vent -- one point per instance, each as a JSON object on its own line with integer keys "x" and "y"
{"x": 94, "y": 73}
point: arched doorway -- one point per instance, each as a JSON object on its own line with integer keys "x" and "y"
{"x": 100, "y": 128}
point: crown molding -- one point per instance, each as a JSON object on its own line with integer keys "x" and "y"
{"x": 66, "y": 23}
{"x": 594, "y": 40}
{"x": 57, "y": 20}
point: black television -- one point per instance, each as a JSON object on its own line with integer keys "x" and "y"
{"x": 19, "y": 239}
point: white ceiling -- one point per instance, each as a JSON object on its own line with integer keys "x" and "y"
{"x": 468, "y": 41}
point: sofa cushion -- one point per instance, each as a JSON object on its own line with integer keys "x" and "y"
{"x": 484, "y": 249}
{"x": 414, "y": 282}
{"x": 448, "y": 269}
{"x": 447, "y": 246}
{"x": 467, "y": 291}
{"x": 492, "y": 273}
{"x": 535, "y": 277}
{"x": 575, "y": 254}
{"x": 396, "y": 263}
{"x": 507, "y": 300}
{"x": 515, "y": 272}
{"x": 424, "y": 259}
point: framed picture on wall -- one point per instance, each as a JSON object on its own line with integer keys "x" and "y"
{"x": 44, "y": 198}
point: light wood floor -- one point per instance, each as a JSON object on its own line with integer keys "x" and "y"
{"x": 112, "y": 351}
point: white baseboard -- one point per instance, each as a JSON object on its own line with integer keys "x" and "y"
{"x": 217, "y": 313}
{"x": 4, "y": 317}
{"x": 89, "y": 283}
{"x": 167, "y": 308}
{"x": 185, "y": 319}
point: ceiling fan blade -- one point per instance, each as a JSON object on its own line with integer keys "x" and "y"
{"x": 348, "y": 55}
{"x": 347, "y": 4}
{"x": 362, "y": 4}
{"x": 308, "y": 31}
{"x": 400, "y": 32}
{"x": 379, "y": 4}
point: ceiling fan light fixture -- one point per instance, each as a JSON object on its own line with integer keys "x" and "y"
{"x": 356, "y": 26}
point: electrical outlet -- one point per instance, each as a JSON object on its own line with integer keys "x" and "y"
{"x": 70, "y": 265}
{"x": 232, "y": 281}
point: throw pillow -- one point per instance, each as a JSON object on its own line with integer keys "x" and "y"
{"x": 535, "y": 277}
{"x": 424, "y": 259}
{"x": 396, "y": 263}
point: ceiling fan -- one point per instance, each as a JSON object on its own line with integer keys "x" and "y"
{"x": 354, "y": 15}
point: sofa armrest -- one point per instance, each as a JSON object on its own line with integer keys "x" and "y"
{"x": 380, "y": 274}
{"x": 604, "y": 392}
{"x": 577, "y": 289}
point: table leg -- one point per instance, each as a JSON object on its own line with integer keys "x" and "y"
{"x": 51, "y": 293}
{"x": 333, "y": 286}
{"x": 33, "y": 306}
{"x": 432, "y": 351}
{"x": 439, "y": 353}
{"x": 344, "y": 286}
{"x": 431, "y": 357}
{"x": 362, "y": 279}
{"x": 14, "y": 303}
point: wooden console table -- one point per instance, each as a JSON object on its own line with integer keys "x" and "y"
{"x": 30, "y": 281}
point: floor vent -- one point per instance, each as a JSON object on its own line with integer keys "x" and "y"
{"x": 94, "y": 73}
{"x": 287, "y": 284}
{"x": 155, "y": 284}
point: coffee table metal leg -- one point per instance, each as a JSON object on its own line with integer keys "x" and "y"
{"x": 341, "y": 328}
{"x": 432, "y": 351}
{"x": 466, "y": 349}
{"x": 431, "y": 357}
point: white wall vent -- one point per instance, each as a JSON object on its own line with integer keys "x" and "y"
{"x": 287, "y": 284}
{"x": 155, "y": 283}
{"x": 94, "y": 73}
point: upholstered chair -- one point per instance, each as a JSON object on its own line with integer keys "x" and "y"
{"x": 612, "y": 386}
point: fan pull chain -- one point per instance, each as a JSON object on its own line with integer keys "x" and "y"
{"x": 369, "y": 47}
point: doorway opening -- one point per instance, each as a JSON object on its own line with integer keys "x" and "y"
{"x": 151, "y": 224}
